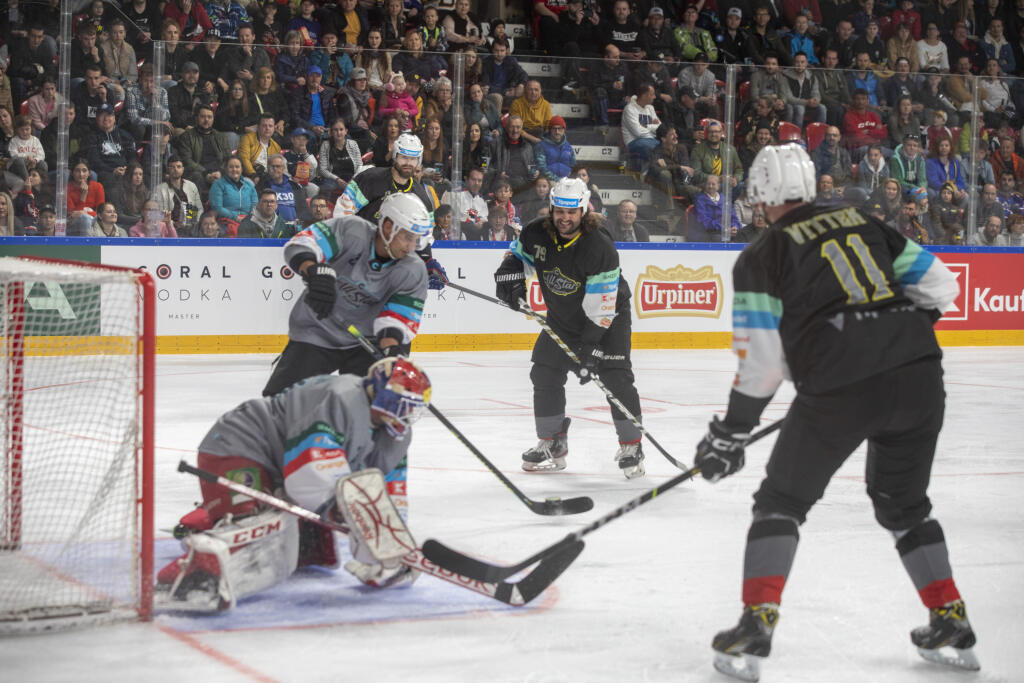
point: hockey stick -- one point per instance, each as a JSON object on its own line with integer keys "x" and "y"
{"x": 516, "y": 594}
{"x": 454, "y": 561}
{"x": 550, "y": 506}
{"x": 543, "y": 322}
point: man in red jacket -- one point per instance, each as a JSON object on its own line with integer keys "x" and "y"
{"x": 861, "y": 126}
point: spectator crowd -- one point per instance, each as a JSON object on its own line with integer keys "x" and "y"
{"x": 263, "y": 112}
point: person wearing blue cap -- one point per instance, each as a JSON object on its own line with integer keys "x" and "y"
{"x": 313, "y": 105}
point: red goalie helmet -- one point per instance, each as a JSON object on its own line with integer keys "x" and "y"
{"x": 399, "y": 392}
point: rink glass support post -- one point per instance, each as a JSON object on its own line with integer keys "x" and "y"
{"x": 730, "y": 127}
{"x": 972, "y": 198}
{"x": 63, "y": 128}
{"x": 458, "y": 97}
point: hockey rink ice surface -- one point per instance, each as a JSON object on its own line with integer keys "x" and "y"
{"x": 642, "y": 601}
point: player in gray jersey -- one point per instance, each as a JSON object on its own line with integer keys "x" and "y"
{"x": 354, "y": 274}
{"x": 299, "y": 444}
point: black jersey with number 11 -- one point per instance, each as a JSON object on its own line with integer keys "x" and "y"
{"x": 828, "y": 296}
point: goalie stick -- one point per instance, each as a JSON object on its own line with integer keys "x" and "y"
{"x": 543, "y": 322}
{"x": 454, "y": 561}
{"x": 516, "y": 594}
{"x": 550, "y": 506}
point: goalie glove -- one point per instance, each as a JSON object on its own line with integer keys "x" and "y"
{"x": 720, "y": 452}
{"x": 322, "y": 289}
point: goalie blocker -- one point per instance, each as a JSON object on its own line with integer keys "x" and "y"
{"x": 302, "y": 444}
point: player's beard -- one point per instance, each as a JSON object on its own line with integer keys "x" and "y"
{"x": 405, "y": 171}
{"x": 567, "y": 227}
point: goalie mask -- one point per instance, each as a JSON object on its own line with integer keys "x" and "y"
{"x": 399, "y": 392}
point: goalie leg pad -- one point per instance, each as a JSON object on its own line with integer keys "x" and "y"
{"x": 378, "y": 537}
{"x": 235, "y": 559}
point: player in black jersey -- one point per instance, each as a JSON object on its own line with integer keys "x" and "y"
{"x": 843, "y": 306}
{"x": 368, "y": 189}
{"x": 576, "y": 265}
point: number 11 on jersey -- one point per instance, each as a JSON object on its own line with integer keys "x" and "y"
{"x": 841, "y": 266}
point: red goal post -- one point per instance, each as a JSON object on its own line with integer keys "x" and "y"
{"x": 76, "y": 428}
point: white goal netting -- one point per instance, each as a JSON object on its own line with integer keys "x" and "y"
{"x": 74, "y": 545}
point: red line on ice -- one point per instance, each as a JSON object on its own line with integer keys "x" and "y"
{"x": 217, "y": 655}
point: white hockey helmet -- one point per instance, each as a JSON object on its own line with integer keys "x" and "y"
{"x": 570, "y": 193}
{"x": 780, "y": 174}
{"x": 406, "y": 212}
{"x": 408, "y": 145}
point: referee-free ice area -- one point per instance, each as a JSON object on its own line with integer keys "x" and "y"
{"x": 642, "y": 601}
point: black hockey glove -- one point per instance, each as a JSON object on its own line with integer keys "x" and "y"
{"x": 392, "y": 350}
{"x": 322, "y": 286}
{"x": 590, "y": 357}
{"x": 511, "y": 288}
{"x": 720, "y": 452}
{"x": 510, "y": 281}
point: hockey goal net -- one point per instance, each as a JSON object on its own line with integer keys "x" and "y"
{"x": 76, "y": 469}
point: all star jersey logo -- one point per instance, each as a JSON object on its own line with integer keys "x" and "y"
{"x": 559, "y": 283}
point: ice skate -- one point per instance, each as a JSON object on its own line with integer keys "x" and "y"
{"x": 549, "y": 454}
{"x": 948, "y": 638}
{"x": 630, "y": 458}
{"x": 740, "y": 650}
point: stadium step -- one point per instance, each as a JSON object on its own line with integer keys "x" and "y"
{"x": 598, "y": 153}
{"x": 570, "y": 110}
{"x": 540, "y": 70}
{"x": 611, "y": 196}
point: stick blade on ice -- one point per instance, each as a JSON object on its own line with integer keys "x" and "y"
{"x": 570, "y": 506}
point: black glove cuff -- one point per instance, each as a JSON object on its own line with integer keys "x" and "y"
{"x": 391, "y": 333}
{"x": 295, "y": 262}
